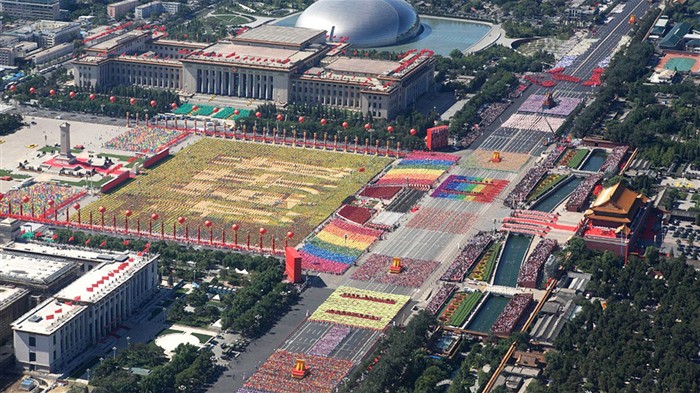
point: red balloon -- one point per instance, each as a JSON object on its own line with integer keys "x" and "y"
{"x": 301, "y": 119}
{"x": 280, "y": 117}
{"x": 153, "y": 103}
{"x": 92, "y": 96}
{"x": 258, "y": 115}
{"x": 173, "y": 105}
{"x": 236, "y": 112}
{"x": 112, "y": 99}
{"x": 413, "y": 131}
{"x": 215, "y": 110}
{"x": 390, "y": 129}
{"x": 13, "y": 87}
{"x": 181, "y": 220}
{"x": 102, "y": 209}
{"x": 195, "y": 108}
{"x": 235, "y": 227}
{"x": 50, "y": 202}
{"x": 207, "y": 223}
{"x": 290, "y": 234}
{"x": 132, "y": 101}
{"x": 345, "y": 124}
{"x": 154, "y": 216}
{"x": 324, "y": 122}
{"x": 368, "y": 126}
{"x": 25, "y": 199}
{"x": 76, "y": 206}
{"x": 127, "y": 213}
{"x": 52, "y": 92}
{"x": 32, "y": 90}
{"x": 262, "y": 231}
{"x": 72, "y": 94}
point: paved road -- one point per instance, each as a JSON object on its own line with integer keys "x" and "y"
{"x": 259, "y": 350}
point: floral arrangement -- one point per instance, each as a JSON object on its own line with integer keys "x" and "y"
{"x": 418, "y": 169}
{"x": 39, "y": 195}
{"x": 414, "y": 273}
{"x": 145, "y": 139}
{"x": 360, "y": 310}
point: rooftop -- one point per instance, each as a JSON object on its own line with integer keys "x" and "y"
{"x": 232, "y": 53}
{"x": 32, "y": 269}
{"x": 103, "y": 279}
{"x": 48, "y": 316}
{"x": 113, "y": 42}
{"x": 9, "y": 295}
{"x": 280, "y": 35}
{"x": 362, "y": 66}
{"x": 68, "y": 252}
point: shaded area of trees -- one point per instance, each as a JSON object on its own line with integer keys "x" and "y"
{"x": 335, "y": 118}
{"x": 189, "y": 368}
{"x": 9, "y": 122}
{"x": 645, "y": 338}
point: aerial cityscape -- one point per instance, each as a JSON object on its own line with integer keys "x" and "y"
{"x": 349, "y": 196}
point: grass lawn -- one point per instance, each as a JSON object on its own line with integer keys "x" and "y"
{"x": 84, "y": 182}
{"x": 202, "y": 337}
{"x": 115, "y": 156}
{"x": 168, "y": 331}
{"x": 51, "y": 149}
{"x": 253, "y": 185}
{"x": 545, "y": 185}
{"x": 577, "y": 159}
{"x": 5, "y": 172}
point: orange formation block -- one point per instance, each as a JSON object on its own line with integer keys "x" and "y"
{"x": 396, "y": 266}
{"x": 300, "y": 370}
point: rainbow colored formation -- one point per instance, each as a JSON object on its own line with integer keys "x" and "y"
{"x": 470, "y": 188}
{"x": 336, "y": 247}
{"x": 419, "y": 169}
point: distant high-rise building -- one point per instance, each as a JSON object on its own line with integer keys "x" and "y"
{"x": 31, "y": 9}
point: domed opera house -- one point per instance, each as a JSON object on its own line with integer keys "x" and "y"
{"x": 363, "y": 23}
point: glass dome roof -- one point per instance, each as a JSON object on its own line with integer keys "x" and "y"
{"x": 365, "y": 23}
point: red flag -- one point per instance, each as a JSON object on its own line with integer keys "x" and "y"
{"x": 70, "y": 239}
{"x": 54, "y": 237}
{"x": 58, "y": 310}
{"x": 104, "y": 243}
{"x": 87, "y": 242}
{"x": 126, "y": 242}
{"x": 49, "y": 316}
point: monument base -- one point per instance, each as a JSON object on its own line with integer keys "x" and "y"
{"x": 65, "y": 160}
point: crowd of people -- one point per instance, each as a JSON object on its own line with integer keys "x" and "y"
{"x": 525, "y": 186}
{"x": 533, "y": 264}
{"x": 330, "y": 341}
{"x": 466, "y": 258}
{"x": 440, "y": 298}
{"x": 512, "y": 313}
{"x": 612, "y": 163}
{"x": 274, "y": 376}
{"x": 414, "y": 273}
{"x": 491, "y": 113}
{"x": 582, "y": 191}
{"x": 144, "y": 139}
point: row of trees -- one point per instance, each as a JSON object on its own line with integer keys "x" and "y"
{"x": 9, "y": 123}
{"x": 190, "y": 369}
{"x": 255, "y": 308}
{"x": 645, "y": 338}
{"x": 356, "y": 121}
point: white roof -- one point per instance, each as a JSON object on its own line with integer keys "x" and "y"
{"x": 31, "y": 269}
{"x": 102, "y": 280}
{"x": 48, "y": 316}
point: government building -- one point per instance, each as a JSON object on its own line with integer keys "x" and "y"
{"x": 53, "y": 334}
{"x": 270, "y": 63}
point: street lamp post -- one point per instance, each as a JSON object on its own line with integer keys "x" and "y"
{"x": 114, "y": 352}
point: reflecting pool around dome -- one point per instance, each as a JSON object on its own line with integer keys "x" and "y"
{"x": 438, "y": 34}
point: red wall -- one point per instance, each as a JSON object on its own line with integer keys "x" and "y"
{"x": 114, "y": 183}
{"x": 437, "y": 137}
{"x": 156, "y": 158}
{"x": 292, "y": 265}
